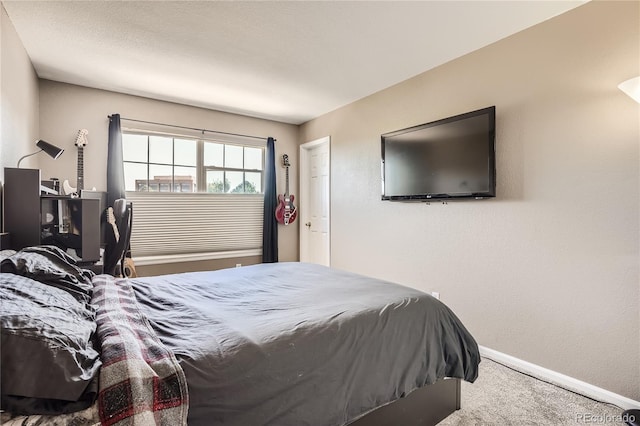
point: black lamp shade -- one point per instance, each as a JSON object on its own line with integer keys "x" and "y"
{"x": 53, "y": 151}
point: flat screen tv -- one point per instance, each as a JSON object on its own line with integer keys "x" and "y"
{"x": 445, "y": 159}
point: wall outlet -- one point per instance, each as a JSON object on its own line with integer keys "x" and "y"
{"x": 238, "y": 265}
{"x": 435, "y": 294}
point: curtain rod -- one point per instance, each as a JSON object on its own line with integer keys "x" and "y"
{"x": 193, "y": 128}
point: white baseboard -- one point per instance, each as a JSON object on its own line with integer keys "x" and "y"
{"x": 559, "y": 379}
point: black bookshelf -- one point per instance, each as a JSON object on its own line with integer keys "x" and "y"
{"x": 33, "y": 219}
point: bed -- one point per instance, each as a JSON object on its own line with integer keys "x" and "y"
{"x": 270, "y": 344}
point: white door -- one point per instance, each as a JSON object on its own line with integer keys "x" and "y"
{"x": 315, "y": 202}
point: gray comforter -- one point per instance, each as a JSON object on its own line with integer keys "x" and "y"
{"x": 301, "y": 344}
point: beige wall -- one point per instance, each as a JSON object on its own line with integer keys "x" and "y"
{"x": 549, "y": 270}
{"x": 66, "y": 108}
{"x": 19, "y": 99}
{"x": 201, "y": 265}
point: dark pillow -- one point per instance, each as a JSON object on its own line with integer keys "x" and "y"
{"x": 51, "y": 265}
{"x": 47, "y": 342}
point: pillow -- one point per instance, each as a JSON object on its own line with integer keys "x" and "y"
{"x": 46, "y": 340}
{"x": 51, "y": 265}
{"x": 6, "y": 253}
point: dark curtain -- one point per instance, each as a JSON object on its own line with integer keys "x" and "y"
{"x": 115, "y": 166}
{"x": 115, "y": 177}
{"x": 270, "y": 225}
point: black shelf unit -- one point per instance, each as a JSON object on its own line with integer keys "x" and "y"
{"x": 34, "y": 219}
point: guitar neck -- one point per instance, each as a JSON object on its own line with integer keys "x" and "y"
{"x": 287, "y": 180}
{"x": 80, "y": 182}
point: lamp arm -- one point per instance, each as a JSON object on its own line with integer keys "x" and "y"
{"x": 25, "y": 156}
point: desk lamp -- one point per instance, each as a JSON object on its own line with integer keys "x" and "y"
{"x": 53, "y": 151}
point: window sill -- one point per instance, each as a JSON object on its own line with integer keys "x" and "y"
{"x": 194, "y": 257}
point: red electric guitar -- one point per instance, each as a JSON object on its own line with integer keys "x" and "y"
{"x": 286, "y": 212}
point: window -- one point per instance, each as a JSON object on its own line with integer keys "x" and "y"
{"x": 193, "y": 199}
{"x": 158, "y": 163}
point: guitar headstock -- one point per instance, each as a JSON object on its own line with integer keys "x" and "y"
{"x": 81, "y": 139}
{"x": 285, "y": 160}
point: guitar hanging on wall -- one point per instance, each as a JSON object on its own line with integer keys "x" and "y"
{"x": 81, "y": 142}
{"x": 286, "y": 212}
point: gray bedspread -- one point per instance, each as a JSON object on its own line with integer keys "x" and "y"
{"x": 300, "y": 344}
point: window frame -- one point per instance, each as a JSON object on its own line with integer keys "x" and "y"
{"x": 219, "y": 225}
{"x": 201, "y": 168}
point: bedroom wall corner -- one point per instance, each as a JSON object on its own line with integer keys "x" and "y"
{"x": 19, "y": 103}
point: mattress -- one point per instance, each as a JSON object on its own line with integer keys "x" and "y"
{"x": 301, "y": 344}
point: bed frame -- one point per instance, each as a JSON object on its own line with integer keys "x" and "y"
{"x": 423, "y": 407}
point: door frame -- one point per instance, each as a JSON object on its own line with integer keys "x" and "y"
{"x": 304, "y": 203}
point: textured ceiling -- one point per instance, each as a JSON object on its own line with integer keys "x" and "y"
{"x": 285, "y": 61}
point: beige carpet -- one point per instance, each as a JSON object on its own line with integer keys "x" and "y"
{"x": 502, "y": 396}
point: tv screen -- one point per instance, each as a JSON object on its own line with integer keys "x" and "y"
{"x": 449, "y": 158}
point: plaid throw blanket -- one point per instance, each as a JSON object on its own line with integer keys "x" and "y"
{"x": 141, "y": 382}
